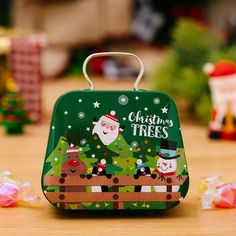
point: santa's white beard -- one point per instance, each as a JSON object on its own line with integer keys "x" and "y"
{"x": 108, "y": 137}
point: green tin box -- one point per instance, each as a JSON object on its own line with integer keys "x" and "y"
{"x": 110, "y": 150}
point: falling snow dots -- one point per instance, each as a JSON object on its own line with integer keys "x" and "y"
{"x": 55, "y": 159}
{"x": 124, "y": 118}
{"x": 83, "y": 141}
{"x": 80, "y": 149}
{"x": 98, "y": 146}
{"x": 66, "y": 112}
{"x": 53, "y": 127}
{"x": 134, "y": 144}
{"x": 93, "y": 155}
{"x": 139, "y": 162}
{"x": 69, "y": 126}
{"x": 123, "y": 100}
{"x": 136, "y": 98}
{"x": 81, "y": 115}
{"x": 156, "y": 101}
{"x": 80, "y": 100}
{"x": 88, "y": 129}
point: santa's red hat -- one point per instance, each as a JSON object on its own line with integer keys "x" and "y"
{"x": 111, "y": 118}
{"x": 220, "y": 70}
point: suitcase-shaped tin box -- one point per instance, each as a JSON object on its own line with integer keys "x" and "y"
{"x": 110, "y": 150}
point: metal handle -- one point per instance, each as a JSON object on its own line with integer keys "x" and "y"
{"x": 113, "y": 54}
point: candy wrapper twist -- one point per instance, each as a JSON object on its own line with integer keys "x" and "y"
{"x": 216, "y": 193}
{"x": 13, "y": 191}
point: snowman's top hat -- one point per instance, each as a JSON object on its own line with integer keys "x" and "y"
{"x": 168, "y": 149}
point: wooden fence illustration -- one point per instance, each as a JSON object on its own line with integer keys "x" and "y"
{"x": 72, "y": 189}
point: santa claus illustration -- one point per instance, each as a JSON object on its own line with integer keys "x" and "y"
{"x": 222, "y": 82}
{"x": 107, "y": 128}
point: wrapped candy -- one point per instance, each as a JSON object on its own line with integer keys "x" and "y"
{"x": 216, "y": 193}
{"x": 228, "y": 195}
{"x": 13, "y": 191}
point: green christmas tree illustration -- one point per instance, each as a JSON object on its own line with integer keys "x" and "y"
{"x": 14, "y": 114}
{"x": 57, "y": 157}
{"x": 124, "y": 157}
{"x": 100, "y": 151}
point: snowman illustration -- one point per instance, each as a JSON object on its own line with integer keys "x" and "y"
{"x": 166, "y": 164}
{"x": 107, "y": 128}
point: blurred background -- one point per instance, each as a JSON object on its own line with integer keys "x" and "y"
{"x": 188, "y": 48}
{"x": 175, "y": 39}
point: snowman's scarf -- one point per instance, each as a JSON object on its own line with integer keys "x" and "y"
{"x": 165, "y": 174}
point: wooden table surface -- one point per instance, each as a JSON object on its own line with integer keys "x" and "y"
{"x": 24, "y": 155}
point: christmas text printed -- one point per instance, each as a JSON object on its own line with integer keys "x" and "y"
{"x": 149, "y": 125}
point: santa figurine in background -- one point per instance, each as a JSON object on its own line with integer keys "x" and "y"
{"x": 222, "y": 82}
{"x": 107, "y": 128}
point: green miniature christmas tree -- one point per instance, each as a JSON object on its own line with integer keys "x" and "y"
{"x": 14, "y": 114}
